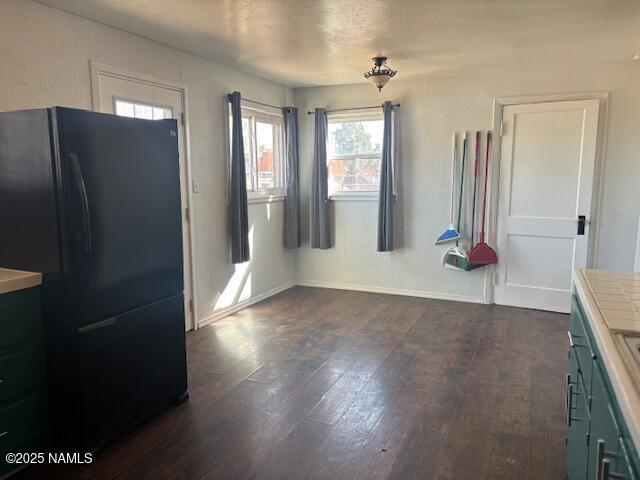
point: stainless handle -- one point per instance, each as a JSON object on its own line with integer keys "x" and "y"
{"x": 2, "y": 434}
{"x": 604, "y": 469}
{"x": 599, "y": 458}
{"x": 607, "y": 473}
{"x": 569, "y": 400}
{"x": 80, "y": 185}
{"x": 570, "y": 339}
{"x": 603, "y": 464}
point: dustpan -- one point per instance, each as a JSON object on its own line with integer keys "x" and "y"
{"x": 456, "y": 257}
{"x": 482, "y": 254}
{"x": 451, "y": 234}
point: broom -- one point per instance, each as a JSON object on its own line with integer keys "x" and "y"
{"x": 456, "y": 257}
{"x": 483, "y": 254}
{"x": 451, "y": 233}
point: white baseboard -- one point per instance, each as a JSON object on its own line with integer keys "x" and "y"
{"x": 391, "y": 291}
{"x": 225, "y": 312}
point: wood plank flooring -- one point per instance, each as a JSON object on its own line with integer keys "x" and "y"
{"x": 328, "y": 384}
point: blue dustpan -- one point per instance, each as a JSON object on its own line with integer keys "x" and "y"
{"x": 449, "y": 235}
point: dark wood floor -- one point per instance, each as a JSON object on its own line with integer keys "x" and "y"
{"x": 328, "y": 384}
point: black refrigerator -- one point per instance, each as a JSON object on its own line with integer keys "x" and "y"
{"x": 92, "y": 201}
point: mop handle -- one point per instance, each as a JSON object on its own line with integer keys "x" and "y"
{"x": 486, "y": 175}
{"x": 475, "y": 184}
{"x": 464, "y": 156}
{"x": 475, "y": 169}
{"x": 453, "y": 176}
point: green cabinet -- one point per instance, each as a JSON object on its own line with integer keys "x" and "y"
{"x": 577, "y": 419}
{"x": 598, "y": 443}
{"x": 22, "y": 393}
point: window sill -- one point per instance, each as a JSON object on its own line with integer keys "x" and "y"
{"x": 354, "y": 197}
{"x": 265, "y": 198}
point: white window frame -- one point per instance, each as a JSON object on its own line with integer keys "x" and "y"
{"x": 342, "y": 117}
{"x": 255, "y": 195}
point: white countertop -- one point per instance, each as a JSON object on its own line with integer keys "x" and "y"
{"x": 611, "y": 302}
{"x": 12, "y": 280}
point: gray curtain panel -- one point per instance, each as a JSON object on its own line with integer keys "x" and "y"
{"x": 292, "y": 200}
{"x": 238, "y": 211}
{"x": 320, "y": 235}
{"x": 385, "y": 204}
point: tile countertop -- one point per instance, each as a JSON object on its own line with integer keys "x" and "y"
{"x": 12, "y": 280}
{"x": 611, "y": 303}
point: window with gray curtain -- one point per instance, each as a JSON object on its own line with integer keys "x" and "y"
{"x": 238, "y": 213}
{"x": 320, "y": 234}
{"x": 385, "y": 204}
{"x": 292, "y": 187}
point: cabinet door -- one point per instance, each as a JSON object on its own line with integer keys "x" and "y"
{"x": 606, "y": 450}
{"x": 577, "y": 416}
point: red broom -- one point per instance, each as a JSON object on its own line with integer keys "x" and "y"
{"x": 483, "y": 254}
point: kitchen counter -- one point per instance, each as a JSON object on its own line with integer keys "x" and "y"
{"x": 13, "y": 280}
{"x": 611, "y": 303}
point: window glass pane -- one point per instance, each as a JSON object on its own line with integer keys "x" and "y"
{"x": 354, "y": 152}
{"x": 265, "y": 161}
{"x": 124, "y": 109}
{"x": 355, "y": 137}
{"x": 143, "y": 111}
{"x": 246, "y": 141}
{"x": 160, "y": 113}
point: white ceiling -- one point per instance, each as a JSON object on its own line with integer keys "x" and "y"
{"x": 323, "y": 42}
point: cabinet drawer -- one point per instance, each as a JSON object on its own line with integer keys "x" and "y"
{"x": 20, "y": 371}
{"x": 19, "y": 316}
{"x": 581, "y": 343}
{"x": 19, "y": 423}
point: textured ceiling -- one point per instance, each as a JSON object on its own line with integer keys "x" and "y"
{"x": 323, "y": 42}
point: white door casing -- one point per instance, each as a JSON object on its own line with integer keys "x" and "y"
{"x": 111, "y": 83}
{"x": 547, "y": 161}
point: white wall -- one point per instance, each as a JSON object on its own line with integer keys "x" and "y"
{"x": 432, "y": 108}
{"x": 44, "y": 61}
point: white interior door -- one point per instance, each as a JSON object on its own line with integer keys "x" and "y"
{"x": 546, "y": 182}
{"x": 124, "y": 95}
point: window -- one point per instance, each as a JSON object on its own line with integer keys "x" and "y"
{"x": 354, "y": 153}
{"x": 126, "y": 108}
{"x": 262, "y": 135}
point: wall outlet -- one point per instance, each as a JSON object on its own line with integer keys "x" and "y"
{"x": 195, "y": 185}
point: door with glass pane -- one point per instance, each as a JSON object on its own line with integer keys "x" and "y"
{"x": 140, "y": 98}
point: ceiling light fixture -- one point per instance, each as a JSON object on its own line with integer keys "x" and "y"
{"x": 380, "y": 74}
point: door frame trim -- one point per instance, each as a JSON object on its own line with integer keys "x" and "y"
{"x": 596, "y": 200}
{"x": 98, "y": 69}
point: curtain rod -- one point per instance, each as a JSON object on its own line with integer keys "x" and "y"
{"x": 260, "y": 103}
{"x": 311, "y": 112}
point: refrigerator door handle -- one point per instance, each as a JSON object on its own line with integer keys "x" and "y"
{"x": 79, "y": 180}
{"x": 101, "y": 324}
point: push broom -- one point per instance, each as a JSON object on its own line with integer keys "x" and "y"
{"x": 483, "y": 254}
{"x": 451, "y": 233}
{"x": 456, "y": 257}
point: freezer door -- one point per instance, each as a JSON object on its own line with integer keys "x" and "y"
{"x": 130, "y": 366}
{"x": 122, "y": 192}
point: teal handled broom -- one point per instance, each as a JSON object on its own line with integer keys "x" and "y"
{"x": 482, "y": 254}
{"x": 451, "y": 234}
{"x": 456, "y": 258}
